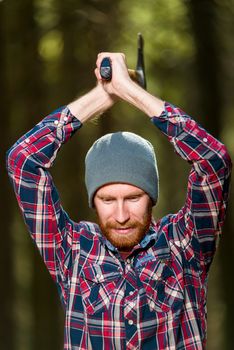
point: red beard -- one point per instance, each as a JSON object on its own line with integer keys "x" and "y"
{"x": 125, "y": 242}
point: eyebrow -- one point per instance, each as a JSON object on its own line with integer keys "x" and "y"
{"x": 104, "y": 196}
{"x": 138, "y": 194}
{"x": 132, "y": 194}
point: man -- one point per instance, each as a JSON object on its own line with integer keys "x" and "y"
{"x": 128, "y": 282}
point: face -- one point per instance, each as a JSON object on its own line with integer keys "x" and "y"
{"x": 124, "y": 212}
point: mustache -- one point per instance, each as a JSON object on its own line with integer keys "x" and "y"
{"x": 131, "y": 224}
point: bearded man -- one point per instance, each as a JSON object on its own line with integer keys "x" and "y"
{"x": 126, "y": 282}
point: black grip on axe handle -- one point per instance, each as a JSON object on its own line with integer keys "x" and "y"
{"x": 105, "y": 69}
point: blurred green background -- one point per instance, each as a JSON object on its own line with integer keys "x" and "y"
{"x": 48, "y": 52}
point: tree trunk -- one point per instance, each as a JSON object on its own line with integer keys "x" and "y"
{"x": 205, "y": 25}
{"x": 24, "y": 106}
{"x": 203, "y": 14}
{"x": 7, "y": 326}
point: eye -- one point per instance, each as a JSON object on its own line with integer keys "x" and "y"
{"x": 107, "y": 200}
{"x": 134, "y": 198}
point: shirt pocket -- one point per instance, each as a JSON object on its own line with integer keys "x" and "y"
{"x": 97, "y": 288}
{"x": 163, "y": 290}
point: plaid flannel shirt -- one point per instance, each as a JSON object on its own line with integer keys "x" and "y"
{"x": 156, "y": 299}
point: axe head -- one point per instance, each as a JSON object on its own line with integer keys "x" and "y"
{"x": 140, "y": 66}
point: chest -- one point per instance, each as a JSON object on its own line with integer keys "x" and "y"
{"x": 147, "y": 279}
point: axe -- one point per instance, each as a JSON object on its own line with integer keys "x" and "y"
{"x": 138, "y": 74}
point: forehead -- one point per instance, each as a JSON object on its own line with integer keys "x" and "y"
{"x": 119, "y": 189}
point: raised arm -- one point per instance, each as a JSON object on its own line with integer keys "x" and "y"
{"x": 199, "y": 223}
{"x": 28, "y": 163}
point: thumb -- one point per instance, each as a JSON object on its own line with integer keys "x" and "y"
{"x": 97, "y": 73}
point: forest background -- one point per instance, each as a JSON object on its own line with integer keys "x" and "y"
{"x": 48, "y": 52}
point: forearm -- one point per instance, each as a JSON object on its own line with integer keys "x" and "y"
{"x": 141, "y": 99}
{"x": 91, "y": 104}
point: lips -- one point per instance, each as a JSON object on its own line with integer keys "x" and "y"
{"x": 123, "y": 230}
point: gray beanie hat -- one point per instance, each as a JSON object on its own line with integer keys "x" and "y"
{"x": 121, "y": 157}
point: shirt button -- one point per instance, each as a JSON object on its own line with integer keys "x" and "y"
{"x": 98, "y": 276}
{"x": 169, "y": 114}
{"x": 130, "y": 322}
{"x": 65, "y": 119}
{"x": 56, "y": 122}
{"x": 128, "y": 267}
{"x": 27, "y": 140}
{"x": 152, "y": 304}
{"x": 131, "y": 293}
{"x": 178, "y": 119}
{"x": 205, "y": 139}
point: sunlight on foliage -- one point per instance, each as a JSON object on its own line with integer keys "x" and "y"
{"x": 51, "y": 46}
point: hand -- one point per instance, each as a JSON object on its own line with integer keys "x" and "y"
{"x": 120, "y": 77}
{"x": 122, "y": 86}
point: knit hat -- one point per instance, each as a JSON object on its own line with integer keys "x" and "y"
{"x": 121, "y": 157}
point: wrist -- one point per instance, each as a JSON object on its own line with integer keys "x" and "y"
{"x": 103, "y": 98}
{"x": 93, "y": 103}
{"x": 130, "y": 91}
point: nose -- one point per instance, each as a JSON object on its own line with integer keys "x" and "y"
{"x": 121, "y": 213}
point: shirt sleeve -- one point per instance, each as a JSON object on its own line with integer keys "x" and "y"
{"x": 200, "y": 220}
{"x": 28, "y": 162}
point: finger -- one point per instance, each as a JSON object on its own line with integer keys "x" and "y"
{"x": 100, "y": 57}
{"x": 97, "y": 73}
{"x": 123, "y": 56}
{"x": 114, "y": 56}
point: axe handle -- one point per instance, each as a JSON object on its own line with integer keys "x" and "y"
{"x": 134, "y": 75}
